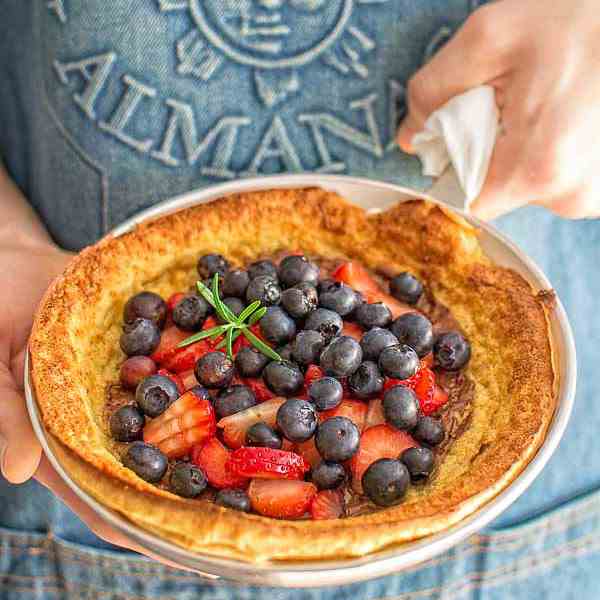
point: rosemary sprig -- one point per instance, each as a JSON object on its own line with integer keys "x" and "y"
{"x": 232, "y": 326}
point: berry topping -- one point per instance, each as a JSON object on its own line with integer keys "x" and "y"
{"x": 190, "y": 312}
{"x": 325, "y": 285}
{"x": 250, "y": 362}
{"x": 214, "y": 370}
{"x": 127, "y": 424}
{"x": 406, "y": 288}
{"x": 340, "y": 298}
{"x": 146, "y": 461}
{"x": 381, "y": 441}
{"x": 187, "y": 480}
{"x": 309, "y": 452}
{"x": 328, "y": 323}
{"x": 419, "y": 462}
{"x": 263, "y": 267}
{"x": 277, "y": 327}
{"x": 209, "y": 264}
{"x": 213, "y": 459}
{"x": 306, "y": 347}
{"x": 416, "y": 331}
{"x": 373, "y": 315}
{"x": 233, "y": 399}
{"x": 259, "y": 389}
{"x": 385, "y": 481}
{"x": 267, "y": 463}
{"x": 145, "y": 305}
{"x": 399, "y": 362}
{"x": 375, "y": 341}
{"x": 295, "y": 269}
{"x": 187, "y": 422}
{"x": 284, "y": 378}
{"x": 260, "y": 434}
{"x": 174, "y": 378}
{"x": 170, "y": 338}
{"x": 328, "y": 504}
{"x": 375, "y": 414}
{"x": 429, "y": 431}
{"x": 341, "y": 357}
{"x": 235, "y": 283}
{"x": 355, "y": 410}
{"x": 297, "y": 420}
{"x": 173, "y": 300}
{"x": 140, "y": 337}
{"x": 366, "y": 381}
{"x": 155, "y": 394}
{"x": 134, "y": 369}
{"x": 451, "y": 351}
{"x": 328, "y": 475}
{"x": 353, "y": 330}
{"x": 285, "y": 499}
{"x": 325, "y": 393}
{"x": 264, "y": 289}
{"x": 234, "y": 499}
{"x": 337, "y": 439}
{"x": 300, "y": 300}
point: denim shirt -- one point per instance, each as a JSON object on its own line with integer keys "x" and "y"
{"x": 109, "y": 107}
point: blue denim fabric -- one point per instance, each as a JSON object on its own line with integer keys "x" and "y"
{"x": 107, "y": 108}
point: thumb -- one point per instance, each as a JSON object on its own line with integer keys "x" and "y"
{"x": 474, "y": 56}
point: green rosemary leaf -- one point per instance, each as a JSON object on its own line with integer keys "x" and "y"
{"x": 222, "y": 309}
{"x": 248, "y": 311}
{"x": 257, "y": 316}
{"x": 205, "y": 293}
{"x": 229, "y": 339}
{"x": 260, "y": 345}
{"x": 201, "y": 335}
{"x": 236, "y": 335}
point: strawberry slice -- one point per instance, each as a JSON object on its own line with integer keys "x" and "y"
{"x": 355, "y": 410}
{"x": 411, "y": 382}
{"x": 235, "y": 426}
{"x": 431, "y": 397}
{"x": 212, "y": 457}
{"x": 357, "y": 277}
{"x": 188, "y": 421}
{"x": 375, "y": 414}
{"x": 328, "y": 504}
{"x": 381, "y": 441}
{"x": 188, "y": 378}
{"x": 353, "y": 330}
{"x": 312, "y": 374}
{"x": 284, "y": 499}
{"x": 170, "y": 338}
{"x": 173, "y": 377}
{"x": 259, "y": 387}
{"x": 267, "y": 463}
{"x": 308, "y": 451}
{"x": 174, "y": 300}
{"x": 427, "y": 361}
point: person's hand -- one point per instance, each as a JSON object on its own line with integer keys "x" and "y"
{"x": 543, "y": 60}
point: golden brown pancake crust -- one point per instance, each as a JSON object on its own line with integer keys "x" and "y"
{"x": 75, "y": 352}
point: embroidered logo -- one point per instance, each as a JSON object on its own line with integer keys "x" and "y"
{"x": 276, "y": 39}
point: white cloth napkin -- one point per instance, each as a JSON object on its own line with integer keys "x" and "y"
{"x": 462, "y": 134}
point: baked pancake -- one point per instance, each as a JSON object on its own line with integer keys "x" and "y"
{"x": 75, "y": 355}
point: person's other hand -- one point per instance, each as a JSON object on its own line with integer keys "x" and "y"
{"x": 543, "y": 60}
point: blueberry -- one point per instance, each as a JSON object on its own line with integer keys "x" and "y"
{"x": 337, "y": 439}
{"x": 234, "y": 499}
{"x": 260, "y": 434}
{"x": 406, "y": 288}
{"x": 297, "y": 420}
{"x": 214, "y": 370}
{"x": 366, "y": 381}
{"x": 326, "y": 393}
{"x": 189, "y": 313}
{"x": 419, "y": 462}
{"x": 451, "y": 351}
{"x": 209, "y": 264}
{"x": 295, "y": 269}
{"x": 145, "y": 305}
{"x": 134, "y": 369}
{"x": 385, "y": 481}
{"x": 284, "y": 378}
{"x": 341, "y": 357}
{"x": 200, "y": 392}
{"x": 233, "y": 399}
{"x": 429, "y": 431}
{"x": 155, "y": 394}
{"x": 140, "y": 337}
{"x": 300, "y": 300}
{"x": 127, "y": 424}
{"x": 340, "y": 298}
{"x": 264, "y": 289}
{"x": 414, "y": 330}
{"x": 325, "y": 285}
{"x": 307, "y": 346}
{"x": 187, "y": 480}
{"x": 146, "y": 461}
{"x": 373, "y": 315}
{"x": 235, "y": 305}
{"x": 375, "y": 340}
{"x": 250, "y": 362}
{"x": 235, "y": 283}
{"x": 328, "y": 475}
{"x": 401, "y": 407}
{"x": 399, "y": 362}
{"x": 285, "y": 352}
{"x": 277, "y": 326}
{"x": 328, "y": 323}
{"x": 263, "y": 267}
